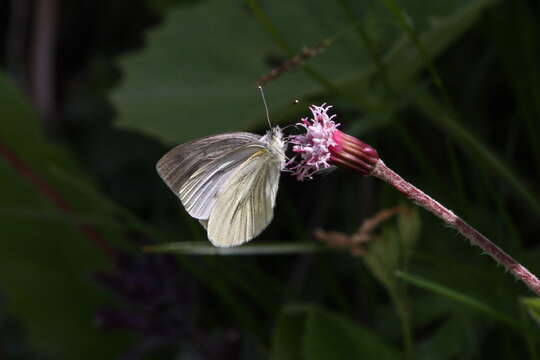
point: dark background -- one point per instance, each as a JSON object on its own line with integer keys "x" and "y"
{"x": 93, "y": 93}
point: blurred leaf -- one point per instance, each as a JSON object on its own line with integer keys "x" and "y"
{"x": 179, "y": 92}
{"x": 425, "y": 310}
{"x": 519, "y": 51}
{"x": 310, "y": 333}
{"x": 440, "y": 115}
{"x": 460, "y": 298}
{"x": 409, "y": 230}
{"x": 382, "y": 258}
{"x": 437, "y": 25}
{"x": 288, "y": 336}
{"x": 46, "y": 267}
{"x": 455, "y": 338}
{"x": 533, "y": 306}
{"x": 332, "y": 337}
{"x": 205, "y": 248}
{"x": 391, "y": 251}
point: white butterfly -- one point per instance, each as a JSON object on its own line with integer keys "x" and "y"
{"x": 228, "y": 182}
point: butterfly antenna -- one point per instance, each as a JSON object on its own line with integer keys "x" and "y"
{"x": 265, "y": 106}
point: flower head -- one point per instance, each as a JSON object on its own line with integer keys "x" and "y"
{"x": 323, "y": 146}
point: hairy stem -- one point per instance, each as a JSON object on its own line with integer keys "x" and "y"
{"x": 384, "y": 173}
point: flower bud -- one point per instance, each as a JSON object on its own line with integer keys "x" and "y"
{"x": 323, "y": 146}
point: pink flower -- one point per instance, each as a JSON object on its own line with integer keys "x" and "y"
{"x": 323, "y": 146}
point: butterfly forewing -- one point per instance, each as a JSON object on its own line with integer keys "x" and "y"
{"x": 180, "y": 163}
{"x": 216, "y": 153}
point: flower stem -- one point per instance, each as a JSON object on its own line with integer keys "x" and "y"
{"x": 384, "y": 173}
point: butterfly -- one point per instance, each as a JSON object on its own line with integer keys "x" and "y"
{"x": 228, "y": 182}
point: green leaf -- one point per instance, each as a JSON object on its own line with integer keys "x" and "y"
{"x": 333, "y": 337}
{"x": 442, "y": 117}
{"x": 205, "y": 248}
{"x": 437, "y": 26}
{"x": 391, "y": 251}
{"x": 464, "y": 299}
{"x": 382, "y": 258}
{"x": 533, "y": 307}
{"x": 288, "y": 336}
{"x": 455, "y": 338}
{"x": 519, "y": 52}
{"x": 409, "y": 230}
{"x": 310, "y": 333}
{"x": 46, "y": 267}
{"x": 178, "y": 90}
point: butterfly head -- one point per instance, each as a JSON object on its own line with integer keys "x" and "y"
{"x": 275, "y": 143}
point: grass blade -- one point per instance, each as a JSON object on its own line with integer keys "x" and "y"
{"x": 205, "y": 248}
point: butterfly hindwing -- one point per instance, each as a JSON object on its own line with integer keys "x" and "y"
{"x": 244, "y": 207}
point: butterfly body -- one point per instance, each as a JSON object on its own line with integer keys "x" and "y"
{"x": 228, "y": 182}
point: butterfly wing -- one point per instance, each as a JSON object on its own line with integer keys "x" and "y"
{"x": 244, "y": 207}
{"x": 195, "y": 171}
{"x": 198, "y": 193}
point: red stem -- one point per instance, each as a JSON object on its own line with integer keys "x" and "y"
{"x": 43, "y": 188}
{"x": 384, "y": 173}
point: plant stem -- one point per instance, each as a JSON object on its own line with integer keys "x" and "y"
{"x": 43, "y": 62}
{"x": 405, "y": 319}
{"x": 384, "y": 173}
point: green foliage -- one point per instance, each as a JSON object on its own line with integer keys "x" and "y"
{"x": 47, "y": 262}
{"x": 378, "y": 62}
{"x": 179, "y": 91}
{"x": 533, "y": 307}
{"x": 392, "y": 250}
{"x": 456, "y": 296}
{"x": 287, "y": 342}
{"x": 311, "y": 333}
{"x": 329, "y": 336}
{"x": 446, "y": 90}
{"x": 455, "y": 338}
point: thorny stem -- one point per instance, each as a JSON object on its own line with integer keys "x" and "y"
{"x": 384, "y": 173}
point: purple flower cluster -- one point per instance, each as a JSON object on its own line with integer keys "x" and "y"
{"x": 314, "y": 146}
{"x": 323, "y": 146}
